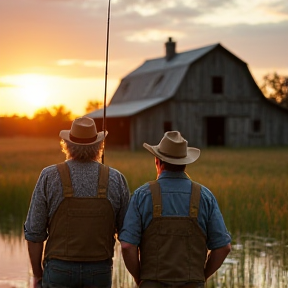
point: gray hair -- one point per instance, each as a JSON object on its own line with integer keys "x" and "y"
{"x": 83, "y": 153}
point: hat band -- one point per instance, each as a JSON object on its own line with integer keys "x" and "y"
{"x": 168, "y": 155}
{"x": 82, "y": 140}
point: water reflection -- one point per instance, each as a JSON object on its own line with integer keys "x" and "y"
{"x": 254, "y": 262}
{"x": 15, "y": 266}
{"x": 14, "y": 262}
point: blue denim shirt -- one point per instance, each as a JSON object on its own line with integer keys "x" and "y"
{"x": 175, "y": 191}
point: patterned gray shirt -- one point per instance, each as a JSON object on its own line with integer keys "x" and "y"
{"x": 48, "y": 194}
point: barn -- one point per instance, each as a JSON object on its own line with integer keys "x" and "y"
{"x": 208, "y": 94}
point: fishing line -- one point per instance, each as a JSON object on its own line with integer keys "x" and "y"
{"x": 106, "y": 73}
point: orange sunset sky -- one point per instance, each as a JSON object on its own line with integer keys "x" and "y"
{"x": 52, "y": 52}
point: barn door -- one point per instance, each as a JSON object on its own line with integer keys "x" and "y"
{"x": 215, "y": 131}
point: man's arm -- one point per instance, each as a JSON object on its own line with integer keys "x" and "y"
{"x": 131, "y": 259}
{"x": 215, "y": 260}
{"x": 35, "y": 251}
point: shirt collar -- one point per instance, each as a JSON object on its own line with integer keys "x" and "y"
{"x": 170, "y": 174}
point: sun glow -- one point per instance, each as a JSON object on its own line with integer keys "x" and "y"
{"x": 33, "y": 89}
{"x": 25, "y": 94}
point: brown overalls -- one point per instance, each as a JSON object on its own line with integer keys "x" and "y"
{"x": 173, "y": 249}
{"x": 82, "y": 229}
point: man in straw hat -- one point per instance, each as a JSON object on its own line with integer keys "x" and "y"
{"x": 78, "y": 206}
{"x": 172, "y": 222}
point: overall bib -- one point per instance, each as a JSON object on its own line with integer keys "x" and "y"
{"x": 81, "y": 240}
{"x": 173, "y": 249}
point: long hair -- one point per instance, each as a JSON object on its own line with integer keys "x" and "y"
{"x": 82, "y": 153}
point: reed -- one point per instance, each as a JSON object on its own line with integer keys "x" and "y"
{"x": 250, "y": 185}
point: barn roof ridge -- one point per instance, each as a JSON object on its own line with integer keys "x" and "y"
{"x": 162, "y": 79}
{"x": 189, "y": 50}
{"x": 184, "y": 58}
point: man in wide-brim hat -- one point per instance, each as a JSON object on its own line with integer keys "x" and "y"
{"x": 172, "y": 222}
{"x": 78, "y": 206}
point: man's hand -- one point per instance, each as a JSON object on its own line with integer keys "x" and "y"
{"x": 35, "y": 282}
{"x": 35, "y": 254}
{"x": 215, "y": 260}
{"x": 131, "y": 259}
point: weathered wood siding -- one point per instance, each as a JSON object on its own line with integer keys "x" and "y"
{"x": 240, "y": 104}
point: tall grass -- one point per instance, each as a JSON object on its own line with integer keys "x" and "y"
{"x": 250, "y": 184}
{"x": 21, "y": 160}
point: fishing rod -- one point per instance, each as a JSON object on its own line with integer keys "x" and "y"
{"x": 106, "y": 73}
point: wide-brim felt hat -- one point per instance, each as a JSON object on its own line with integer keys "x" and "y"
{"x": 83, "y": 132}
{"x": 173, "y": 149}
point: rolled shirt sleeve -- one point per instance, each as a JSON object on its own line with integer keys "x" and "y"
{"x": 211, "y": 221}
{"x": 36, "y": 222}
{"x": 120, "y": 196}
{"x": 132, "y": 228}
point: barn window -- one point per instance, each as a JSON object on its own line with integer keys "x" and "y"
{"x": 217, "y": 84}
{"x": 167, "y": 126}
{"x": 125, "y": 87}
{"x": 256, "y": 125}
{"x": 158, "y": 80}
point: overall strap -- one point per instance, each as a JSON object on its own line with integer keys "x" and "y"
{"x": 195, "y": 199}
{"x": 64, "y": 172}
{"x": 156, "y": 198}
{"x": 103, "y": 181}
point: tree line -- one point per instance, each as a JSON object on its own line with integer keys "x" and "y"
{"x": 45, "y": 122}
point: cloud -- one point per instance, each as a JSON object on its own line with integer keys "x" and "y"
{"x": 49, "y": 30}
{"x": 211, "y": 12}
{"x": 68, "y": 37}
{"x": 279, "y": 6}
{"x": 7, "y": 85}
{"x": 79, "y": 62}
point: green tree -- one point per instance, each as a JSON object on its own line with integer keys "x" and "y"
{"x": 275, "y": 87}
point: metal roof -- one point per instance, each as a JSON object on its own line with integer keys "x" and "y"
{"x": 125, "y": 109}
{"x": 180, "y": 59}
{"x": 157, "y": 78}
{"x": 158, "y": 84}
{"x": 153, "y": 82}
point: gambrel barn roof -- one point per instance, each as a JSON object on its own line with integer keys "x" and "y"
{"x": 208, "y": 94}
{"x": 155, "y": 81}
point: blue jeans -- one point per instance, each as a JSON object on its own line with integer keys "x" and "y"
{"x": 60, "y": 274}
{"x": 156, "y": 284}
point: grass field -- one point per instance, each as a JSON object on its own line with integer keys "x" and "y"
{"x": 250, "y": 185}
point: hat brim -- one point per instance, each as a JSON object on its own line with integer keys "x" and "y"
{"x": 65, "y": 134}
{"x": 192, "y": 155}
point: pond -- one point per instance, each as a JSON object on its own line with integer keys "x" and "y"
{"x": 254, "y": 262}
{"x": 15, "y": 270}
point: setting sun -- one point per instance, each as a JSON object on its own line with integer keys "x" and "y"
{"x": 25, "y": 94}
{"x": 34, "y": 89}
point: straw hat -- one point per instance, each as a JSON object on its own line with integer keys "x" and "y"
{"x": 173, "y": 149}
{"x": 83, "y": 132}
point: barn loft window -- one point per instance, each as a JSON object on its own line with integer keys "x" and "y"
{"x": 158, "y": 80}
{"x": 217, "y": 84}
{"x": 125, "y": 87}
{"x": 256, "y": 126}
{"x": 167, "y": 126}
